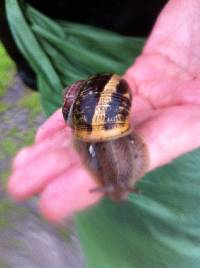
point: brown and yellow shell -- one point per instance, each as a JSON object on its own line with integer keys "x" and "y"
{"x": 101, "y": 108}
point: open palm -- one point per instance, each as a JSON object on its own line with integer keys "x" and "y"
{"x": 166, "y": 112}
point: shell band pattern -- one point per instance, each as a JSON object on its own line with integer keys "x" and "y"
{"x": 101, "y": 109}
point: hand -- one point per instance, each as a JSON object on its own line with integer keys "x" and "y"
{"x": 166, "y": 112}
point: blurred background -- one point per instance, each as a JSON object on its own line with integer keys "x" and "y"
{"x": 26, "y": 240}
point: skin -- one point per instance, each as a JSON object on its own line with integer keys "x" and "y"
{"x": 166, "y": 113}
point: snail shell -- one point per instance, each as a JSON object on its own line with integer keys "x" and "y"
{"x": 100, "y": 110}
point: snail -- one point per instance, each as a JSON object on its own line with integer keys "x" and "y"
{"x": 98, "y": 109}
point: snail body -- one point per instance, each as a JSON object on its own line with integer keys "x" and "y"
{"x": 98, "y": 111}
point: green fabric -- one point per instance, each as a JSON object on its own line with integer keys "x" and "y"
{"x": 161, "y": 226}
{"x": 63, "y": 52}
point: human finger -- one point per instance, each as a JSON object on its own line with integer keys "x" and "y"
{"x": 69, "y": 193}
{"x": 60, "y": 139}
{"x": 33, "y": 177}
{"x": 52, "y": 125}
{"x": 170, "y": 132}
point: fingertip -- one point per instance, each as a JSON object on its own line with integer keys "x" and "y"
{"x": 53, "y": 124}
{"x": 67, "y": 195}
{"x": 21, "y": 157}
{"x": 51, "y": 212}
{"x": 13, "y": 189}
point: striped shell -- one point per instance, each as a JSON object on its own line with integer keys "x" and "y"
{"x": 101, "y": 107}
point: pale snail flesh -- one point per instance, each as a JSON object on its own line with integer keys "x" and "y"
{"x": 98, "y": 111}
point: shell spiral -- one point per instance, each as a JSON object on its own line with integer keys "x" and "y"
{"x": 101, "y": 109}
